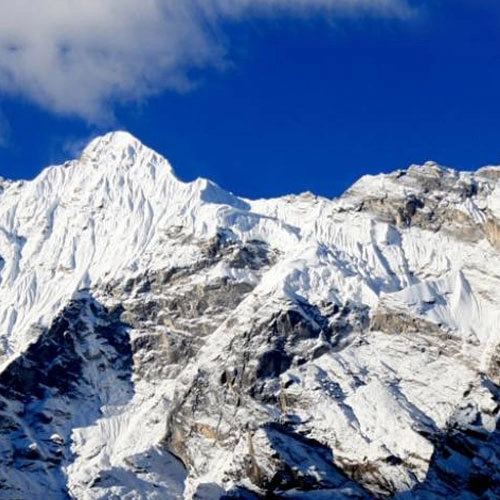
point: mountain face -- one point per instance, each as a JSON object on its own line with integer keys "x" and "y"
{"x": 168, "y": 340}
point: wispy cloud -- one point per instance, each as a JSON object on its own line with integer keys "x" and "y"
{"x": 79, "y": 57}
{"x": 73, "y": 146}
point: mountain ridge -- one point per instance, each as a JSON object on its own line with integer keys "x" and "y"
{"x": 176, "y": 341}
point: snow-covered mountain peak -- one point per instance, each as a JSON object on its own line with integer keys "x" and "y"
{"x": 122, "y": 150}
{"x": 103, "y": 216}
{"x": 430, "y": 168}
{"x": 111, "y": 143}
{"x": 417, "y": 179}
{"x": 117, "y": 139}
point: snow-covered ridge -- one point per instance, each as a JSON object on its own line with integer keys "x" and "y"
{"x": 91, "y": 219}
{"x": 356, "y": 331}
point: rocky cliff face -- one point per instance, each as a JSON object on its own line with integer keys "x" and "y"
{"x": 169, "y": 340}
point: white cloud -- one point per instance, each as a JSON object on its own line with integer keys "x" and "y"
{"x": 77, "y": 57}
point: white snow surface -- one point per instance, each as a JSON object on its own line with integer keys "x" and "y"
{"x": 112, "y": 215}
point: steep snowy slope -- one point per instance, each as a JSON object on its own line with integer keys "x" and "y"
{"x": 163, "y": 339}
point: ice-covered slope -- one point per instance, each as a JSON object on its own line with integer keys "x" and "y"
{"x": 163, "y": 339}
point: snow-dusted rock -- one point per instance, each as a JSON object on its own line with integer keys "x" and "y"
{"x": 162, "y": 339}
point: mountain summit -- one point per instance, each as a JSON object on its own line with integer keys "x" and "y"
{"x": 169, "y": 340}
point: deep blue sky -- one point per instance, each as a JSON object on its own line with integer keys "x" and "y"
{"x": 310, "y": 105}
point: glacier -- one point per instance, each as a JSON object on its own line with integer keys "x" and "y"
{"x": 163, "y": 339}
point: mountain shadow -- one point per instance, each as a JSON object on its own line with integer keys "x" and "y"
{"x": 55, "y": 386}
